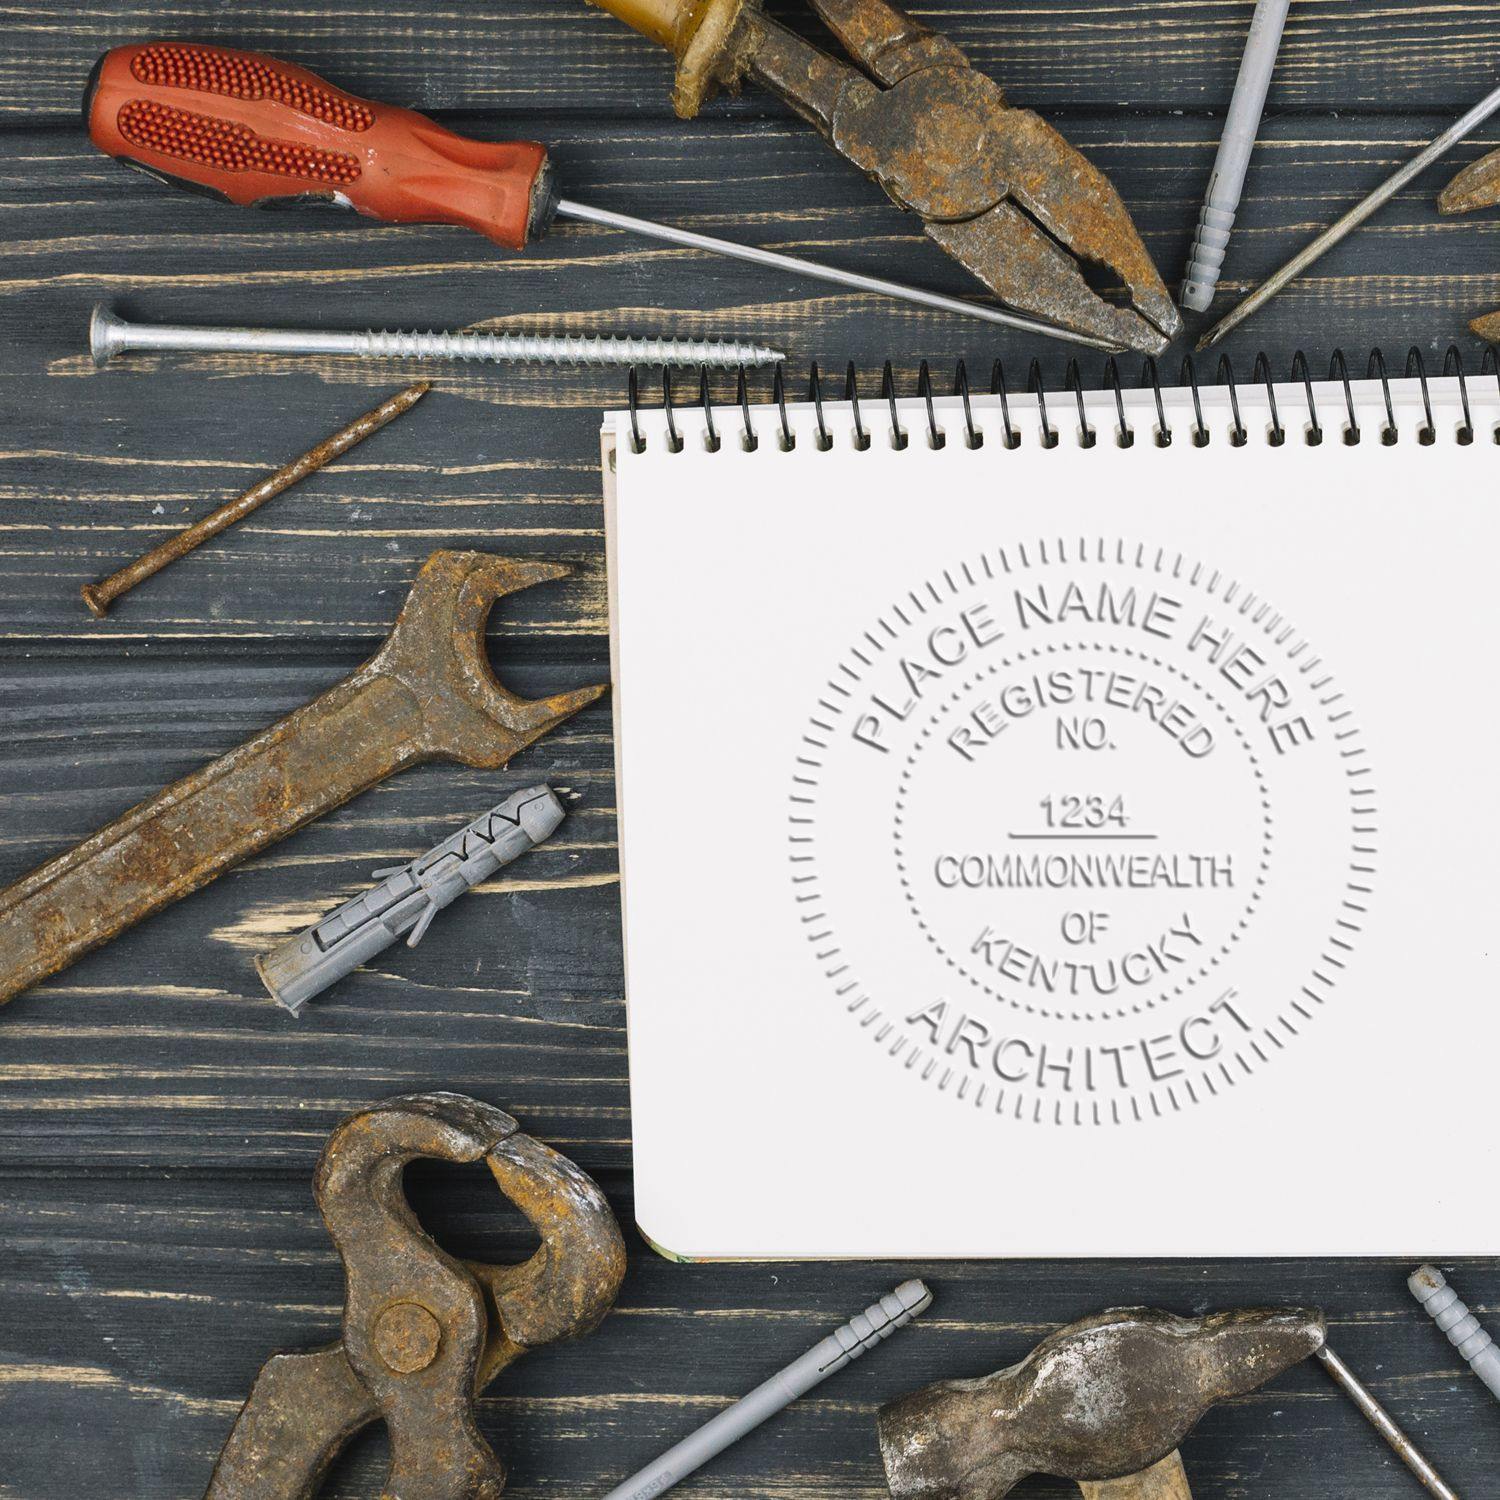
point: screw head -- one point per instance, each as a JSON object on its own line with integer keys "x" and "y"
{"x": 106, "y": 335}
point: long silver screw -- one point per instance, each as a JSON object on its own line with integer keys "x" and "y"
{"x": 1430, "y": 1288}
{"x": 1385, "y": 1424}
{"x": 111, "y": 335}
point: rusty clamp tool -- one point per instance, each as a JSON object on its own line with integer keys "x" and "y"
{"x": 428, "y": 694}
{"x": 423, "y": 1333}
{"x": 998, "y": 188}
{"x": 1476, "y": 187}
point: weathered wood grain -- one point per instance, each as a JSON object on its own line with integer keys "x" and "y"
{"x": 159, "y": 1115}
{"x": 165, "y": 1048}
{"x": 541, "y": 57}
{"x": 145, "y": 1320}
{"x": 94, "y": 466}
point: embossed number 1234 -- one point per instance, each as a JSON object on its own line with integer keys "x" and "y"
{"x": 1084, "y": 812}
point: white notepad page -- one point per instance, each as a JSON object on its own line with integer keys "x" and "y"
{"x": 1084, "y": 850}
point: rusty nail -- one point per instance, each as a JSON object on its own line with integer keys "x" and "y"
{"x": 99, "y": 596}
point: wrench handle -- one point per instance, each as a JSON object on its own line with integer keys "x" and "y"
{"x": 169, "y": 846}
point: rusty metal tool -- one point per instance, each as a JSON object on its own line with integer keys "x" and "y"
{"x": 99, "y": 596}
{"x": 407, "y": 899}
{"x": 1104, "y": 1402}
{"x": 1476, "y": 187}
{"x": 996, "y": 187}
{"x": 1385, "y": 1424}
{"x": 429, "y": 693}
{"x": 423, "y": 1334}
{"x": 1347, "y": 223}
{"x": 256, "y": 131}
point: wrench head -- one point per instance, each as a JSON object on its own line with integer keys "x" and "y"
{"x": 438, "y": 652}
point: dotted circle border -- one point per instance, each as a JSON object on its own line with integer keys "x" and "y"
{"x": 1216, "y": 958}
{"x": 1011, "y": 1101}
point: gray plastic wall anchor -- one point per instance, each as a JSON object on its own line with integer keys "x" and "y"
{"x": 1227, "y": 181}
{"x": 407, "y": 899}
{"x": 843, "y": 1346}
{"x": 1430, "y": 1288}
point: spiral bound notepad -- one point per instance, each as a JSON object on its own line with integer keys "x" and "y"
{"x": 1065, "y": 823}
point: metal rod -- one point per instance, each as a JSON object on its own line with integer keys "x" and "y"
{"x": 111, "y": 335}
{"x": 880, "y": 287}
{"x": 1354, "y": 218}
{"x": 99, "y": 596}
{"x": 1382, "y": 1421}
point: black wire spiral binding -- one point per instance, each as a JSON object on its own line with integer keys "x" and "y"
{"x": 1124, "y": 433}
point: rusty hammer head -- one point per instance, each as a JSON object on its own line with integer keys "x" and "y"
{"x": 437, "y": 652}
{"x": 1104, "y": 1402}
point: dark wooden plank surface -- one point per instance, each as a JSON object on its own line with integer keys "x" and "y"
{"x": 558, "y": 57}
{"x": 159, "y": 1118}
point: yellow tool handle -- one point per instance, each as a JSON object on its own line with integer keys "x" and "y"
{"x": 670, "y": 22}
{"x": 698, "y": 33}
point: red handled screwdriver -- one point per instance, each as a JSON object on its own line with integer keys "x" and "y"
{"x": 255, "y": 131}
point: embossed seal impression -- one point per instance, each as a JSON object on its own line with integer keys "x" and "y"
{"x": 1082, "y": 832}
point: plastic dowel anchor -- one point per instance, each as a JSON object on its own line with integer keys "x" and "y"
{"x": 407, "y": 899}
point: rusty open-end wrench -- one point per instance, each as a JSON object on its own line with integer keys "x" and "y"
{"x": 428, "y": 694}
{"x": 423, "y": 1334}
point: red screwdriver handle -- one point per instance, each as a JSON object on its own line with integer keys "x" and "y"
{"x": 261, "y": 132}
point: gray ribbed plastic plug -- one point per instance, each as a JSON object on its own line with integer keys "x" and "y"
{"x": 1227, "y": 181}
{"x": 1430, "y": 1288}
{"x": 407, "y": 899}
{"x": 844, "y": 1345}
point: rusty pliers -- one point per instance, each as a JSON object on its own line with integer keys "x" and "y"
{"x": 423, "y": 1333}
{"x": 1476, "y": 187}
{"x": 996, "y": 187}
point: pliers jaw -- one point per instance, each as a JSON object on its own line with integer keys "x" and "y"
{"x": 423, "y": 1333}
{"x": 996, "y": 187}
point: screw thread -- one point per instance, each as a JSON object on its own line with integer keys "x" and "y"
{"x": 523, "y": 348}
{"x": 1463, "y": 1330}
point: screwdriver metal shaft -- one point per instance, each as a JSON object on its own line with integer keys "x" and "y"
{"x": 754, "y": 255}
